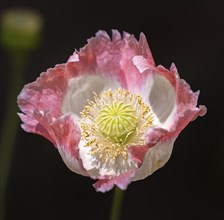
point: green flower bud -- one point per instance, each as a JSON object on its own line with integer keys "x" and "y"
{"x": 20, "y": 29}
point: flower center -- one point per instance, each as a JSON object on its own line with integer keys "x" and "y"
{"x": 117, "y": 121}
{"x": 113, "y": 122}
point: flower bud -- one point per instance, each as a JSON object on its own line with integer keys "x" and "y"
{"x": 20, "y": 29}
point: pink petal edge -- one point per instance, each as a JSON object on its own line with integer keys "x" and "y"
{"x": 122, "y": 181}
{"x": 46, "y": 93}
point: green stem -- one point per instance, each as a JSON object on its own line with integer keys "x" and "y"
{"x": 117, "y": 204}
{"x": 9, "y": 126}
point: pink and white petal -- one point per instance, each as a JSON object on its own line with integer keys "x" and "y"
{"x": 112, "y": 58}
{"x": 101, "y": 62}
{"x": 155, "y": 158}
{"x": 142, "y": 63}
{"x": 74, "y": 57}
{"x": 122, "y": 181}
{"x": 82, "y": 88}
{"x": 153, "y": 136}
{"x": 186, "y": 109}
{"x": 130, "y": 49}
{"x": 157, "y": 91}
{"x": 182, "y": 119}
{"x": 169, "y": 96}
{"x": 116, "y": 36}
{"x": 63, "y": 132}
{"x": 32, "y": 125}
{"x": 185, "y": 106}
{"x": 46, "y": 93}
{"x": 68, "y": 136}
{"x": 100, "y": 56}
{"x": 71, "y": 162}
{"x": 145, "y": 50}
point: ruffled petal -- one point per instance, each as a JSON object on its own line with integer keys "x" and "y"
{"x": 62, "y": 132}
{"x": 112, "y": 58}
{"x": 74, "y": 57}
{"x": 175, "y": 105}
{"x": 100, "y": 56}
{"x": 185, "y": 109}
{"x": 158, "y": 90}
{"x": 170, "y": 97}
{"x": 153, "y": 137}
{"x": 38, "y": 123}
{"x": 68, "y": 137}
{"x": 130, "y": 49}
{"x": 46, "y": 93}
{"x": 121, "y": 181}
{"x": 145, "y": 50}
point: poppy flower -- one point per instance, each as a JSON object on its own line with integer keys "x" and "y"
{"x": 110, "y": 111}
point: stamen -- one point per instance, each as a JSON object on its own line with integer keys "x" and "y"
{"x": 113, "y": 122}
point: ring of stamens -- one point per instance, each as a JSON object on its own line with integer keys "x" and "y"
{"x": 114, "y": 121}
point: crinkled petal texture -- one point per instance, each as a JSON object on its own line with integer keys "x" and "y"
{"x": 52, "y": 104}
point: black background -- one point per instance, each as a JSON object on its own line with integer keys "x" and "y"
{"x": 191, "y": 185}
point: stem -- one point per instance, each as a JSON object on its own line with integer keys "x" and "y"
{"x": 9, "y": 126}
{"x": 117, "y": 204}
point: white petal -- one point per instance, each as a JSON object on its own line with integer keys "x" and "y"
{"x": 157, "y": 91}
{"x": 155, "y": 158}
{"x": 80, "y": 89}
{"x": 96, "y": 166}
{"x": 162, "y": 97}
{"x": 89, "y": 163}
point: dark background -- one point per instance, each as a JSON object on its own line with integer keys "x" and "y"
{"x": 191, "y": 185}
